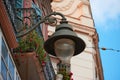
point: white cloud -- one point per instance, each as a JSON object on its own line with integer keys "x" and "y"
{"x": 104, "y": 10}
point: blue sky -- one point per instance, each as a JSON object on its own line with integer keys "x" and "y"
{"x": 106, "y": 14}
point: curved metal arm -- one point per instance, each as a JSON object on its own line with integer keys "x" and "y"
{"x": 56, "y": 13}
{"x": 22, "y": 33}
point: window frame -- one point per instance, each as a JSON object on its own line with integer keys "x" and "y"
{"x": 19, "y": 4}
{"x": 8, "y": 73}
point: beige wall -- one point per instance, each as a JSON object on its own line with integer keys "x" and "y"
{"x": 78, "y": 14}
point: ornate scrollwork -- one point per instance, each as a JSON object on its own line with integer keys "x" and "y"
{"x": 31, "y": 24}
{"x": 64, "y": 7}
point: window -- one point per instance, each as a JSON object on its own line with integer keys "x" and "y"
{"x": 37, "y": 9}
{"x": 3, "y": 70}
{"x": 7, "y": 68}
{"x": 17, "y": 76}
{"x": 39, "y": 14}
{"x": 9, "y": 77}
{"x": 11, "y": 67}
{"x": 19, "y": 4}
{"x": 4, "y": 52}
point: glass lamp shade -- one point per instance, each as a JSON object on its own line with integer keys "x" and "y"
{"x": 64, "y": 34}
{"x": 64, "y": 49}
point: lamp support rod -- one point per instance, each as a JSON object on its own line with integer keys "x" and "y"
{"x": 22, "y": 33}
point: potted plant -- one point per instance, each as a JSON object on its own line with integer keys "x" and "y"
{"x": 32, "y": 42}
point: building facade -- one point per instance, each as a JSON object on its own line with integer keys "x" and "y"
{"x": 18, "y": 64}
{"x": 87, "y": 65}
{"x": 8, "y": 69}
{"x": 15, "y": 62}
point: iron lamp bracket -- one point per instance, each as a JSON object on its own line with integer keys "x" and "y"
{"x": 47, "y": 19}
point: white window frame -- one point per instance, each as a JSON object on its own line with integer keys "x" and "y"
{"x": 9, "y": 56}
{"x": 0, "y": 53}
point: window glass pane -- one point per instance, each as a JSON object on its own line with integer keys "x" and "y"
{"x": 17, "y": 77}
{"x": 37, "y": 9}
{"x": 11, "y": 67}
{"x": 39, "y": 13}
{"x": 4, "y": 52}
{"x": 19, "y": 1}
{"x": 3, "y": 70}
{"x": 19, "y": 4}
{"x": 9, "y": 78}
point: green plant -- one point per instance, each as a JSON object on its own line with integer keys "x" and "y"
{"x": 32, "y": 42}
{"x": 66, "y": 75}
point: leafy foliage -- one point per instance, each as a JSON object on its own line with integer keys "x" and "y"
{"x": 32, "y": 42}
{"x": 66, "y": 75}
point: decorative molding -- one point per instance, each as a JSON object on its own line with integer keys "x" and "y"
{"x": 57, "y": 0}
{"x": 62, "y": 8}
{"x": 68, "y": 8}
{"x": 84, "y": 2}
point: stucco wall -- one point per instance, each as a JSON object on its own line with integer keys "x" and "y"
{"x": 79, "y": 15}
